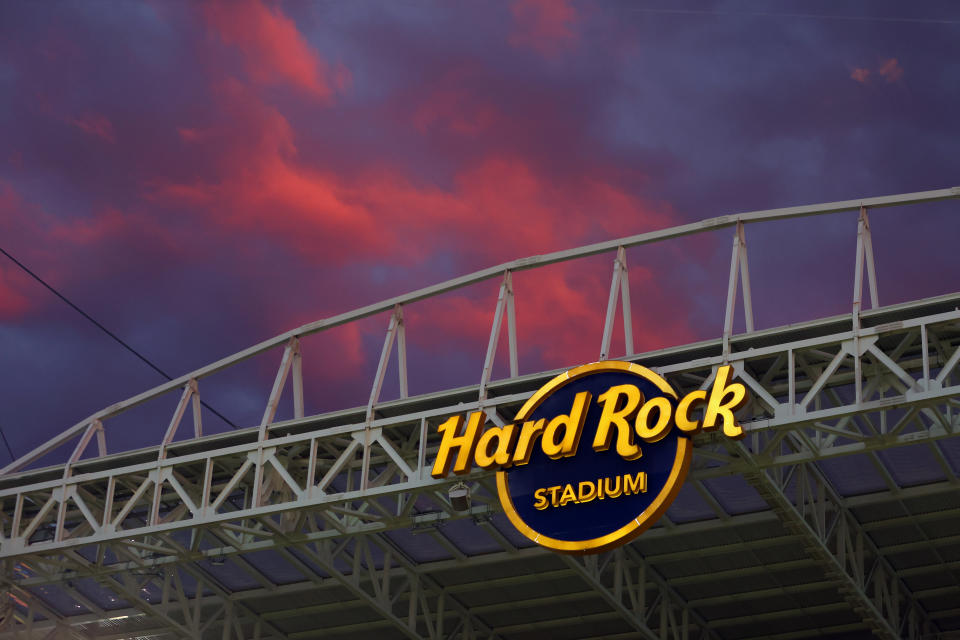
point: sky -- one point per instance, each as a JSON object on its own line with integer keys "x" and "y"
{"x": 199, "y": 177}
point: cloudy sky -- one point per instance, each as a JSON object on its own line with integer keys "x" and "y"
{"x": 200, "y": 177}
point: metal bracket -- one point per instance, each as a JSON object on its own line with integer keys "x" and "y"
{"x": 738, "y": 266}
{"x": 619, "y": 287}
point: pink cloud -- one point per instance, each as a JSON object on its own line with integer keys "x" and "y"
{"x": 502, "y": 202}
{"x": 498, "y": 205}
{"x": 188, "y": 134}
{"x": 95, "y": 125}
{"x": 13, "y": 304}
{"x": 456, "y": 111}
{"x": 546, "y": 26}
{"x": 890, "y": 70}
{"x": 273, "y": 49}
{"x": 860, "y": 75}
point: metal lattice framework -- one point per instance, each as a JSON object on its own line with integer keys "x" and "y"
{"x": 331, "y": 525}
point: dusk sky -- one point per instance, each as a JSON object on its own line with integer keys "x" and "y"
{"x": 202, "y": 176}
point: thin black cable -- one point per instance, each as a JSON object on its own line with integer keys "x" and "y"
{"x": 106, "y": 331}
{"x": 7, "y": 444}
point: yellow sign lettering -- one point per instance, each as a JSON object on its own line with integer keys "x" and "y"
{"x": 725, "y": 398}
{"x": 617, "y": 414}
{"x": 464, "y": 444}
{"x": 556, "y": 445}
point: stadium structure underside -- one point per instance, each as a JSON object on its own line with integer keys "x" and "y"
{"x": 837, "y": 516}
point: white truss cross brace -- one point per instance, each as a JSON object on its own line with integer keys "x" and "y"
{"x": 26, "y": 623}
{"x": 738, "y": 271}
{"x": 193, "y": 624}
{"x": 619, "y": 288}
{"x": 396, "y": 332}
{"x": 532, "y": 262}
{"x": 385, "y": 588}
{"x": 504, "y": 304}
{"x": 623, "y": 578}
{"x": 190, "y": 393}
{"x": 864, "y": 254}
{"x": 95, "y": 429}
{"x": 835, "y": 539}
{"x": 819, "y": 426}
{"x": 291, "y": 353}
{"x": 289, "y": 362}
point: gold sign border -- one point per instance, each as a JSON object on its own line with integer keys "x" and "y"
{"x": 626, "y": 533}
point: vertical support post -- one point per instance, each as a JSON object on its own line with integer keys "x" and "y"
{"x": 402, "y": 351}
{"x": 738, "y": 270}
{"x": 393, "y": 328}
{"x": 619, "y": 289}
{"x": 625, "y": 303}
{"x": 227, "y": 619}
{"x": 207, "y": 487}
{"x": 274, "y": 401}
{"x": 422, "y": 452}
{"x": 101, "y": 439}
{"x": 745, "y": 278}
{"x": 297, "y": 378}
{"x": 504, "y": 303}
{"x": 868, "y": 257}
{"x": 94, "y": 429}
{"x": 107, "y": 503}
{"x": 61, "y": 514}
{"x": 791, "y": 382}
{"x": 396, "y": 319}
{"x": 512, "y": 327}
{"x": 925, "y": 354}
{"x": 197, "y": 418}
{"x": 864, "y": 255}
{"x": 268, "y": 415}
{"x": 176, "y": 419}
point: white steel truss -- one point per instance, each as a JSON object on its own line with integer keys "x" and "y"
{"x": 326, "y": 493}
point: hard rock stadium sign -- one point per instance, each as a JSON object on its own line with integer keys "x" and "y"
{"x": 596, "y": 455}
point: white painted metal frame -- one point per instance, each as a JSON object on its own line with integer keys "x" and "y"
{"x": 738, "y": 271}
{"x": 479, "y": 276}
{"x": 290, "y": 485}
{"x": 619, "y": 288}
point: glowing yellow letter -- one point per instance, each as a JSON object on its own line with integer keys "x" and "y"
{"x": 528, "y": 435}
{"x": 684, "y": 423}
{"x": 617, "y": 415}
{"x": 662, "y": 427}
{"x": 501, "y": 454}
{"x": 463, "y": 443}
{"x": 586, "y": 491}
{"x": 725, "y": 398}
{"x": 541, "y": 500}
{"x": 572, "y": 425}
{"x": 634, "y": 484}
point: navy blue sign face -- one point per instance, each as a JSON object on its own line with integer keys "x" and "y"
{"x": 597, "y": 499}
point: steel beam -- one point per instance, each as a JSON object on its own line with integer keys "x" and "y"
{"x": 622, "y": 578}
{"x": 331, "y": 485}
{"x": 837, "y": 542}
{"x": 479, "y": 276}
{"x": 323, "y": 469}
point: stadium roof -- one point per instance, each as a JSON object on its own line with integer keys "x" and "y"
{"x": 837, "y": 516}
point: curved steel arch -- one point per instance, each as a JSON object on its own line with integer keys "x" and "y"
{"x": 846, "y": 386}
{"x": 710, "y": 224}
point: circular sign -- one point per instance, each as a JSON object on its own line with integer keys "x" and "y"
{"x": 623, "y": 473}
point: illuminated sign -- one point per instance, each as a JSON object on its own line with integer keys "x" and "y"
{"x": 596, "y": 455}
